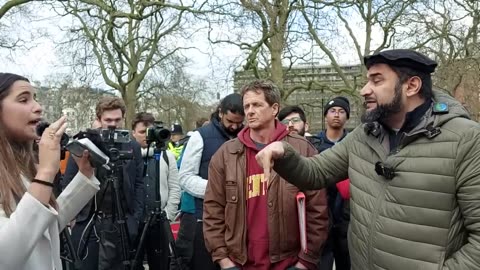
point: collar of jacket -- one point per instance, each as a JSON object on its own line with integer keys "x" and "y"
{"x": 235, "y": 146}
{"x": 427, "y": 120}
{"x": 323, "y": 136}
{"x": 219, "y": 126}
{"x": 413, "y": 118}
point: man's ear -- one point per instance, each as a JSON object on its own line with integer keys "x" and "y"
{"x": 306, "y": 126}
{"x": 414, "y": 84}
{"x": 276, "y": 109}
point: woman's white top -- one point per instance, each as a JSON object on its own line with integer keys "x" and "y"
{"x": 29, "y": 239}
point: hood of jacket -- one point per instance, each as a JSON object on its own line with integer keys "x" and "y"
{"x": 279, "y": 133}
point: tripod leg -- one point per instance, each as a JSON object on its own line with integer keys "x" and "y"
{"x": 120, "y": 218}
{"x": 72, "y": 253}
{"x": 171, "y": 240}
{"x": 141, "y": 244}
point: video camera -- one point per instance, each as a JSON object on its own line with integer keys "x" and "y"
{"x": 104, "y": 145}
{"x": 158, "y": 134}
{"x": 112, "y": 136}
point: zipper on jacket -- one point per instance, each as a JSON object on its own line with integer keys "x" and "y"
{"x": 371, "y": 230}
{"x": 243, "y": 203}
{"x": 405, "y": 136}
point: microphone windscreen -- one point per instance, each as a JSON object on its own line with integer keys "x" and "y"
{"x": 41, "y": 128}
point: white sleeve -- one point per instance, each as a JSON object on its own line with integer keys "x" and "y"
{"x": 75, "y": 196}
{"x": 20, "y": 233}
{"x": 173, "y": 187}
{"x": 190, "y": 181}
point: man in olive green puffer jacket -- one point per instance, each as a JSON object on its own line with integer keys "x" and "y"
{"x": 414, "y": 167}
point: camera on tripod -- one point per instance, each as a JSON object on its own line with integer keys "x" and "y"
{"x": 108, "y": 148}
{"x": 104, "y": 145}
{"x": 113, "y": 139}
{"x": 158, "y": 134}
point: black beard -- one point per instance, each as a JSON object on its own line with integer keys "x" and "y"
{"x": 302, "y": 132}
{"x": 384, "y": 111}
{"x": 299, "y": 132}
{"x": 232, "y": 133}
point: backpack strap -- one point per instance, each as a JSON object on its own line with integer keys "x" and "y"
{"x": 165, "y": 157}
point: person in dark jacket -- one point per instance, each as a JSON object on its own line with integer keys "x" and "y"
{"x": 336, "y": 114}
{"x": 104, "y": 249}
{"x": 224, "y": 125}
{"x": 166, "y": 180}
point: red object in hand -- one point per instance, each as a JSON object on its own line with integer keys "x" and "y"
{"x": 344, "y": 188}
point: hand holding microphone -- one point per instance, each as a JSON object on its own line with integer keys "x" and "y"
{"x": 45, "y": 129}
{"x": 49, "y": 150}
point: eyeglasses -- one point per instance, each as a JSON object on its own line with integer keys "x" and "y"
{"x": 293, "y": 120}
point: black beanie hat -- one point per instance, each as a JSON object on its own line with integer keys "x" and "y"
{"x": 176, "y": 129}
{"x": 338, "y": 102}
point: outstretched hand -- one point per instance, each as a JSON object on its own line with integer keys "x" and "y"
{"x": 267, "y": 155}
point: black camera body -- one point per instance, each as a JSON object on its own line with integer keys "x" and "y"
{"x": 108, "y": 141}
{"x": 112, "y": 140}
{"x": 158, "y": 134}
{"x": 113, "y": 136}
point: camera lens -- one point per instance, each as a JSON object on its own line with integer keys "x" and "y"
{"x": 158, "y": 134}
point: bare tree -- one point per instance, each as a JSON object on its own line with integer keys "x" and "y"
{"x": 123, "y": 40}
{"x": 277, "y": 36}
{"x": 173, "y": 96}
{"x": 277, "y": 45}
{"x": 15, "y": 15}
{"x": 266, "y": 31}
{"x": 369, "y": 26}
{"x": 450, "y": 36}
{"x": 7, "y": 5}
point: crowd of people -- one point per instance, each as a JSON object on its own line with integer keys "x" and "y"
{"x": 250, "y": 186}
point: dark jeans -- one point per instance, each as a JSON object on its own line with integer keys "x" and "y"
{"x": 336, "y": 250}
{"x": 104, "y": 252}
{"x": 191, "y": 246}
{"x": 156, "y": 247}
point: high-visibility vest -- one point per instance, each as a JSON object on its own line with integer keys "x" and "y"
{"x": 176, "y": 150}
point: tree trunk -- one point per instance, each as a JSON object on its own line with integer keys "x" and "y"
{"x": 276, "y": 76}
{"x": 130, "y": 99}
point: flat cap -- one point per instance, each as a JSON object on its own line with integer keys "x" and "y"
{"x": 402, "y": 58}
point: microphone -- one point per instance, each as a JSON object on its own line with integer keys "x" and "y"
{"x": 41, "y": 128}
{"x": 385, "y": 171}
{"x": 44, "y": 125}
{"x": 372, "y": 128}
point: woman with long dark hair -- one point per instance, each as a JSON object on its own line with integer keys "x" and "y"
{"x": 30, "y": 216}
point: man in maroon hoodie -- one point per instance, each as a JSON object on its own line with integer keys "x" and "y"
{"x": 251, "y": 222}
